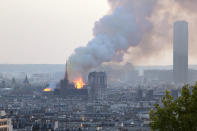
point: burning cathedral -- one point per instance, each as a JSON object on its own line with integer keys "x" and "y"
{"x": 97, "y": 83}
{"x": 67, "y": 89}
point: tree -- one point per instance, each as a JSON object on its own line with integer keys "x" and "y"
{"x": 176, "y": 114}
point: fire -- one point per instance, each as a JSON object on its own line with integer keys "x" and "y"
{"x": 47, "y": 90}
{"x": 79, "y": 83}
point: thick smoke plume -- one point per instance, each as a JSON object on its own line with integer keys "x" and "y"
{"x": 123, "y": 27}
{"x": 135, "y": 31}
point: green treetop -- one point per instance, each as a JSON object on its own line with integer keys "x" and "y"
{"x": 176, "y": 115}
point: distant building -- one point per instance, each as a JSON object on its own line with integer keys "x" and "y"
{"x": 159, "y": 75}
{"x": 97, "y": 82}
{"x": 139, "y": 94}
{"x": 149, "y": 94}
{"x": 180, "y": 52}
{"x": 45, "y": 125}
{"x": 13, "y": 84}
{"x": 26, "y": 82}
{"x": 192, "y": 76}
{"x": 3, "y": 84}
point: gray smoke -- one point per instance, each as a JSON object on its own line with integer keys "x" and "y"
{"x": 138, "y": 31}
{"x": 188, "y": 4}
{"x": 122, "y": 28}
{"x": 157, "y": 43}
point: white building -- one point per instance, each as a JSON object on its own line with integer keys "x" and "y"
{"x": 6, "y": 124}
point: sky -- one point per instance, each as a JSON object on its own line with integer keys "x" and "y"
{"x": 46, "y": 31}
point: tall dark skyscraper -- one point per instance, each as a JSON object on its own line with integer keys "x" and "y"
{"x": 180, "y": 53}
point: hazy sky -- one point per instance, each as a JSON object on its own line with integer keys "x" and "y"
{"x": 46, "y": 31}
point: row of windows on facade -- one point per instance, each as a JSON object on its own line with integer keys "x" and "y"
{"x": 3, "y": 123}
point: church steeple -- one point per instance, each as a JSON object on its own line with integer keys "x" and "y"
{"x": 26, "y": 82}
{"x": 66, "y": 72}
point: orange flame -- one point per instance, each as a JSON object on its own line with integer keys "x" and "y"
{"x": 47, "y": 90}
{"x": 79, "y": 83}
